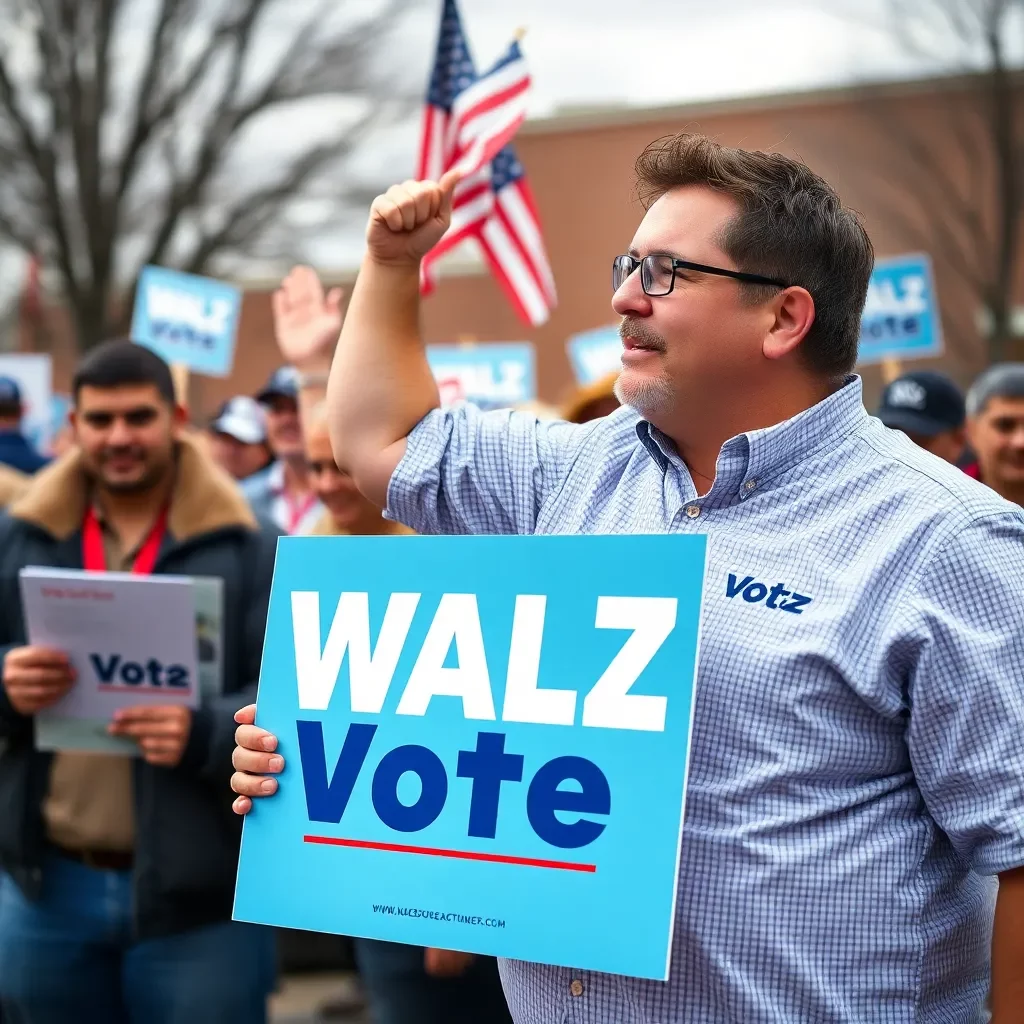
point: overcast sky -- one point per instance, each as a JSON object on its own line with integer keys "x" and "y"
{"x": 602, "y": 52}
{"x": 652, "y": 52}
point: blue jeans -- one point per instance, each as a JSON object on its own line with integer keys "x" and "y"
{"x": 401, "y": 991}
{"x": 71, "y": 959}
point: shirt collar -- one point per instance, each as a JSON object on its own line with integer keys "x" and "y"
{"x": 749, "y": 460}
{"x": 117, "y": 557}
{"x": 275, "y": 477}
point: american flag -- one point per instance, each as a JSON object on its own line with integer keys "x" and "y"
{"x": 468, "y": 123}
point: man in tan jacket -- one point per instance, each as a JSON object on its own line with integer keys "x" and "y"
{"x": 117, "y": 872}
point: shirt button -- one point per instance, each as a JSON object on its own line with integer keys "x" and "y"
{"x": 693, "y": 511}
{"x": 576, "y": 988}
{"x": 750, "y": 485}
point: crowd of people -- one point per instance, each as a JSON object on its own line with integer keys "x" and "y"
{"x": 856, "y": 785}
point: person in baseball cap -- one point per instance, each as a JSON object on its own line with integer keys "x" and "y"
{"x": 238, "y": 437}
{"x": 15, "y": 449}
{"x": 283, "y": 383}
{"x": 930, "y": 409}
{"x": 283, "y": 493}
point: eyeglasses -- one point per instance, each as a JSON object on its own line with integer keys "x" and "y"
{"x": 658, "y": 273}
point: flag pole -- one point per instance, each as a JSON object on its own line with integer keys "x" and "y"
{"x": 519, "y": 33}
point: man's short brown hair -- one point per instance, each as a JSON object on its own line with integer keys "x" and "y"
{"x": 792, "y": 226}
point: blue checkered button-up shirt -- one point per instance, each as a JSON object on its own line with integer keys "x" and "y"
{"x": 857, "y": 772}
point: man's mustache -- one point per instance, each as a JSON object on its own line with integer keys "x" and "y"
{"x": 640, "y": 332}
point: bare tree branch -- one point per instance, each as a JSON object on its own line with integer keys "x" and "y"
{"x": 112, "y": 163}
{"x": 965, "y": 209}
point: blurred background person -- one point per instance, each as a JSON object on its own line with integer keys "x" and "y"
{"x": 591, "y": 401}
{"x": 282, "y": 492}
{"x": 118, "y": 871}
{"x": 995, "y": 429}
{"x": 15, "y": 449}
{"x": 346, "y": 511}
{"x": 238, "y": 438}
{"x": 929, "y": 408}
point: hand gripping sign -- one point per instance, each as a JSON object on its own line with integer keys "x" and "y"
{"x": 486, "y": 742}
{"x": 131, "y": 640}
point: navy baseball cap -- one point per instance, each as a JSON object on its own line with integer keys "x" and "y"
{"x": 241, "y": 418}
{"x": 10, "y": 391}
{"x": 284, "y": 382}
{"x": 923, "y": 402}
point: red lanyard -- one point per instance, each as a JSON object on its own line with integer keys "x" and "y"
{"x": 298, "y": 510}
{"x": 94, "y": 558}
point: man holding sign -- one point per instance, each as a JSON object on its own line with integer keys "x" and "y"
{"x": 856, "y": 776}
{"x": 116, "y": 871}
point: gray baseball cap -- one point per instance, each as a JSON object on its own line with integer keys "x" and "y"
{"x": 241, "y": 418}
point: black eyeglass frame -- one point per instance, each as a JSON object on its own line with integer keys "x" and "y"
{"x": 678, "y": 264}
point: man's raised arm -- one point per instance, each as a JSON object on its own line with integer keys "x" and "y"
{"x": 380, "y": 383}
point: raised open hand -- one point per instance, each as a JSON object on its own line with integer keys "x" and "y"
{"x": 306, "y": 322}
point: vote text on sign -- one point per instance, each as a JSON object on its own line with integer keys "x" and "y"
{"x": 189, "y": 320}
{"x": 901, "y": 315}
{"x": 486, "y": 741}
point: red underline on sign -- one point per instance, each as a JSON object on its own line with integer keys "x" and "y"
{"x": 431, "y": 851}
{"x": 147, "y": 691}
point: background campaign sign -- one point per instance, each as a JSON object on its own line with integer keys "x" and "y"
{"x": 901, "y": 316}
{"x": 60, "y": 409}
{"x": 595, "y": 354}
{"x": 34, "y": 374}
{"x": 486, "y": 742}
{"x": 188, "y": 320}
{"x": 490, "y": 376}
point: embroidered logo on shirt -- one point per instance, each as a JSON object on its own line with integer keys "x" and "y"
{"x": 777, "y": 597}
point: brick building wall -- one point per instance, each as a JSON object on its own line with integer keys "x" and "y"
{"x": 580, "y": 169}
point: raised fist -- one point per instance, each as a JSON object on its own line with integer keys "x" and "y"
{"x": 409, "y": 219}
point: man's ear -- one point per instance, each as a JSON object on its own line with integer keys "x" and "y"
{"x": 794, "y": 317}
{"x": 179, "y": 418}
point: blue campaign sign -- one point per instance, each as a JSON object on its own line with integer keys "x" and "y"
{"x": 486, "y": 742}
{"x": 901, "y": 316}
{"x": 187, "y": 319}
{"x": 595, "y": 354}
{"x": 492, "y": 376}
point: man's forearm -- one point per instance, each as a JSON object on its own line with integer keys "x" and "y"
{"x": 1008, "y": 950}
{"x": 380, "y": 385}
